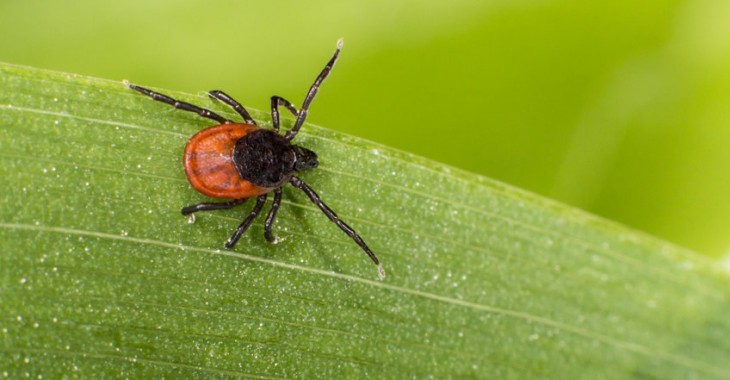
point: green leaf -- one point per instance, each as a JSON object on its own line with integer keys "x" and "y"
{"x": 101, "y": 275}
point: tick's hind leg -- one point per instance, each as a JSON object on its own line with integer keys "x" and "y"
{"x": 211, "y": 206}
{"x": 247, "y": 222}
{"x": 178, "y": 104}
{"x": 225, "y": 98}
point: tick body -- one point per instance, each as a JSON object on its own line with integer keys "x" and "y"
{"x": 239, "y": 161}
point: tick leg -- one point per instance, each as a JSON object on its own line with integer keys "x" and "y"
{"x": 225, "y": 98}
{"x": 277, "y": 101}
{"x": 336, "y": 219}
{"x": 271, "y": 216}
{"x": 212, "y": 206}
{"x": 178, "y": 104}
{"x": 247, "y": 222}
{"x": 312, "y": 92}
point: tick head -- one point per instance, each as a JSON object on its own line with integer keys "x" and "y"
{"x": 304, "y": 159}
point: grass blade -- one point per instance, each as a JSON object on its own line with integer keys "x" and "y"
{"x": 100, "y": 275}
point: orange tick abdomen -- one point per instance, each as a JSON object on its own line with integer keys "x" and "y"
{"x": 208, "y": 162}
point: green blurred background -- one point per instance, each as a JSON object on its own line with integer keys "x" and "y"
{"x": 619, "y": 107}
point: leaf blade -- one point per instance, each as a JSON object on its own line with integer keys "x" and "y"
{"x": 483, "y": 279}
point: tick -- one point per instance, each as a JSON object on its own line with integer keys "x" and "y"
{"x": 239, "y": 161}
